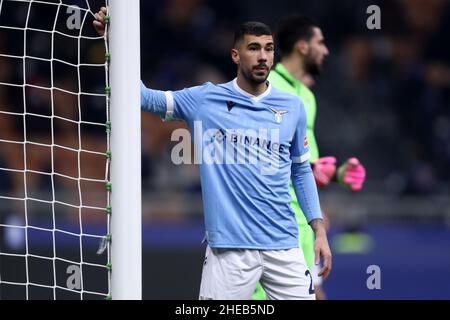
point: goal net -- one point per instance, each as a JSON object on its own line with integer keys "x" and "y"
{"x": 56, "y": 206}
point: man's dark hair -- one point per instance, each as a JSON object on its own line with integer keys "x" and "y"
{"x": 292, "y": 29}
{"x": 253, "y": 28}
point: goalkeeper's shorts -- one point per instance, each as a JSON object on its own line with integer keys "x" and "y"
{"x": 232, "y": 274}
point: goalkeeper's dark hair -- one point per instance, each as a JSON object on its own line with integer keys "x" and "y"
{"x": 292, "y": 29}
{"x": 253, "y": 28}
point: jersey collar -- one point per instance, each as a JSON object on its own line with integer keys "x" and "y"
{"x": 251, "y": 96}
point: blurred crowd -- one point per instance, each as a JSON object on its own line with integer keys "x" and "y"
{"x": 384, "y": 94}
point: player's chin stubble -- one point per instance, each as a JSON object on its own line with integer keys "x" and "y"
{"x": 251, "y": 76}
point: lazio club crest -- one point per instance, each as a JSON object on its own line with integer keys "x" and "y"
{"x": 278, "y": 114}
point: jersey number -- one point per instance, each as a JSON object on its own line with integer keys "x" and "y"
{"x": 311, "y": 285}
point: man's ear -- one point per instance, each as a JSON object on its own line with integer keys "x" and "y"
{"x": 235, "y": 56}
{"x": 302, "y": 47}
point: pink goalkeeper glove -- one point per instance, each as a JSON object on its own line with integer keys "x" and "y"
{"x": 353, "y": 174}
{"x": 324, "y": 170}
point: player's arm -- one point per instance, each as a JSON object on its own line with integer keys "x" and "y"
{"x": 169, "y": 105}
{"x": 308, "y": 198}
{"x": 156, "y": 101}
{"x": 321, "y": 247}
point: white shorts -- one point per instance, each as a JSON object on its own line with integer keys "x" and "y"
{"x": 232, "y": 274}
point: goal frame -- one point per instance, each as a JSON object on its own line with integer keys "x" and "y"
{"x": 126, "y": 197}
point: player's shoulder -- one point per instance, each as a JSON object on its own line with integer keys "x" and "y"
{"x": 205, "y": 86}
{"x": 285, "y": 96}
{"x": 208, "y": 87}
{"x": 199, "y": 91}
{"x": 227, "y": 86}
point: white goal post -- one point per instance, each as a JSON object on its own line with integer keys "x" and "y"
{"x": 126, "y": 136}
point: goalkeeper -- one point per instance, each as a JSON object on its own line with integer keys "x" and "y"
{"x": 303, "y": 51}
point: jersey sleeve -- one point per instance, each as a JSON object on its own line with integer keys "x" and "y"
{"x": 183, "y": 104}
{"x": 299, "y": 147}
{"x": 153, "y": 101}
{"x": 306, "y": 190}
{"x": 173, "y": 105}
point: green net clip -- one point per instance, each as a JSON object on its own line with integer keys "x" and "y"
{"x": 108, "y": 91}
{"x": 109, "y": 210}
{"x": 109, "y": 186}
{"x": 108, "y": 125}
{"x": 109, "y": 267}
{"x": 109, "y": 237}
{"x": 107, "y": 19}
{"x": 107, "y": 56}
{"x": 108, "y": 297}
{"x": 108, "y": 155}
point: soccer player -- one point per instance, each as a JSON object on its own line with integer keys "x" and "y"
{"x": 303, "y": 51}
{"x": 252, "y": 141}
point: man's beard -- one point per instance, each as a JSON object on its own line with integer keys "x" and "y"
{"x": 312, "y": 68}
{"x": 248, "y": 74}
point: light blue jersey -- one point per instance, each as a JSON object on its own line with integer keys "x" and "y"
{"x": 248, "y": 149}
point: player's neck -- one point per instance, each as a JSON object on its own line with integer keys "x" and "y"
{"x": 255, "y": 89}
{"x": 294, "y": 65}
